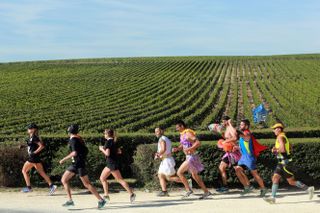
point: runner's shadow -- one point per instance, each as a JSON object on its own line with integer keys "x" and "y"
{"x": 298, "y": 193}
{"x": 299, "y": 202}
{"x": 237, "y": 197}
{"x": 83, "y": 209}
{"x": 227, "y": 193}
{"x": 148, "y": 205}
{"x": 58, "y": 194}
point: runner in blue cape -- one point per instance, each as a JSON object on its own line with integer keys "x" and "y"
{"x": 250, "y": 150}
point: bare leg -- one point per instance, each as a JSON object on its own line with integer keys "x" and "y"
{"x": 183, "y": 168}
{"x": 163, "y": 182}
{"x": 86, "y": 182}
{"x": 258, "y": 178}
{"x": 175, "y": 179}
{"x": 40, "y": 170}
{"x": 242, "y": 177}
{"x": 117, "y": 175}
{"x": 103, "y": 178}
{"x": 65, "y": 181}
{"x": 222, "y": 169}
{"x": 25, "y": 171}
{"x": 199, "y": 181}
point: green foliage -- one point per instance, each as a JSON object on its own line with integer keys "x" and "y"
{"x": 12, "y": 158}
{"x": 136, "y": 94}
{"x": 306, "y": 157}
{"x": 137, "y": 160}
{"x": 144, "y": 166}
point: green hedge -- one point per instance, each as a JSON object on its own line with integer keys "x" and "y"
{"x": 306, "y": 157}
{"x": 12, "y": 159}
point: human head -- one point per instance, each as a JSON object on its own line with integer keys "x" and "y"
{"x": 32, "y": 129}
{"x": 180, "y": 125}
{"x": 244, "y": 124}
{"x": 277, "y": 128}
{"x": 109, "y": 133}
{"x": 159, "y": 131}
{"x": 224, "y": 120}
{"x": 73, "y": 129}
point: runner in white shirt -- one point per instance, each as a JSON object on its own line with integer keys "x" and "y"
{"x": 166, "y": 170}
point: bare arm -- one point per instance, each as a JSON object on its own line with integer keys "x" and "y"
{"x": 106, "y": 152}
{"x": 40, "y": 147}
{"x": 162, "y": 150}
{"x": 282, "y": 143}
{"x": 177, "y": 149}
{"x": 232, "y": 136}
{"x": 72, "y": 154}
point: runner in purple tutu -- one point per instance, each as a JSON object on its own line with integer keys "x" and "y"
{"x": 189, "y": 143}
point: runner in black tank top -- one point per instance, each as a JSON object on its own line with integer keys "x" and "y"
{"x": 35, "y": 146}
{"x": 111, "y": 152}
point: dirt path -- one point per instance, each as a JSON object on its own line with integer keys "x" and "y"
{"x": 39, "y": 201}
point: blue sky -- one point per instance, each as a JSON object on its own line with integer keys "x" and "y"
{"x": 63, "y": 29}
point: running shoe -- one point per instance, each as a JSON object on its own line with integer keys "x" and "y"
{"x": 163, "y": 194}
{"x": 246, "y": 190}
{"x": 187, "y": 194}
{"x": 205, "y": 195}
{"x": 310, "y": 192}
{"x": 68, "y": 203}
{"x": 223, "y": 189}
{"x": 26, "y": 190}
{"x": 270, "y": 200}
{"x": 263, "y": 192}
{"x": 132, "y": 197}
{"x": 52, "y": 189}
{"x": 101, "y": 203}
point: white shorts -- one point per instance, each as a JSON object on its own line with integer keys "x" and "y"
{"x": 167, "y": 167}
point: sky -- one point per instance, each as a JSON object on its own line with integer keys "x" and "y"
{"x": 70, "y": 29}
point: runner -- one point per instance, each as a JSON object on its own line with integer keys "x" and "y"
{"x": 35, "y": 146}
{"x": 111, "y": 152}
{"x": 232, "y": 155}
{"x": 78, "y": 155}
{"x": 282, "y": 150}
{"x": 248, "y": 160}
{"x": 166, "y": 170}
{"x": 189, "y": 143}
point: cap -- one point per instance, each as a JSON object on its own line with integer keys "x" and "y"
{"x": 32, "y": 126}
{"x": 277, "y": 125}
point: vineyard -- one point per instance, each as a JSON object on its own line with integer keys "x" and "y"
{"x": 137, "y": 94}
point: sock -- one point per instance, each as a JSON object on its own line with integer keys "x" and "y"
{"x": 51, "y": 185}
{"x": 301, "y": 185}
{"x": 275, "y": 187}
{"x": 29, "y": 187}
